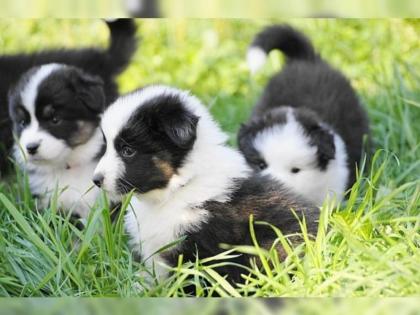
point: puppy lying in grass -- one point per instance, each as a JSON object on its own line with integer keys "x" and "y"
{"x": 163, "y": 144}
{"x": 307, "y": 128}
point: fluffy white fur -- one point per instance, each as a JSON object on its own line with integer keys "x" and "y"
{"x": 284, "y": 147}
{"x": 57, "y": 166}
{"x": 72, "y": 177}
{"x": 256, "y": 58}
{"x": 207, "y": 174}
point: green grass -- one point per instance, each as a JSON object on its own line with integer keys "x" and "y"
{"x": 369, "y": 246}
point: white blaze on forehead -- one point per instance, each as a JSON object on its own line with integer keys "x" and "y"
{"x": 30, "y": 91}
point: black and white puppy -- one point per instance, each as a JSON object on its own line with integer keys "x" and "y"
{"x": 56, "y": 111}
{"x": 104, "y": 63}
{"x": 308, "y": 126}
{"x": 163, "y": 144}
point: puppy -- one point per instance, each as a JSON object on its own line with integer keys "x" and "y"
{"x": 163, "y": 144}
{"x": 307, "y": 128}
{"x": 56, "y": 112}
{"x": 106, "y": 64}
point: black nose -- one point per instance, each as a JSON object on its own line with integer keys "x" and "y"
{"x": 98, "y": 179}
{"x": 32, "y": 147}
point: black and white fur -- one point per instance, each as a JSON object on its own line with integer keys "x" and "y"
{"x": 307, "y": 128}
{"x": 103, "y": 63}
{"x": 163, "y": 144}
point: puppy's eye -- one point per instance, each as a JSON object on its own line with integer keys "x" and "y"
{"x": 55, "y": 120}
{"x": 295, "y": 170}
{"x": 261, "y": 165}
{"x": 22, "y": 123}
{"x": 127, "y": 151}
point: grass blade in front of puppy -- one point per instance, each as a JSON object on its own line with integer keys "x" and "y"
{"x": 104, "y": 209}
{"x": 222, "y": 282}
{"x": 32, "y": 235}
{"x": 261, "y": 253}
{"x": 202, "y": 273}
{"x": 89, "y": 233}
{"x": 56, "y": 226}
{"x": 26, "y": 228}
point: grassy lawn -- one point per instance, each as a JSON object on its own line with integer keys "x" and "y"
{"x": 369, "y": 246}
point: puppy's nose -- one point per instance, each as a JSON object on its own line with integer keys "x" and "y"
{"x": 32, "y": 147}
{"x": 98, "y": 179}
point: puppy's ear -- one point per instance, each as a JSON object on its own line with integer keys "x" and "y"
{"x": 246, "y": 137}
{"x": 89, "y": 90}
{"x": 169, "y": 116}
{"x": 181, "y": 128}
{"x": 324, "y": 141}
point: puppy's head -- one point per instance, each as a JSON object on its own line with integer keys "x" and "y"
{"x": 55, "y": 108}
{"x": 149, "y": 135}
{"x": 293, "y": 146}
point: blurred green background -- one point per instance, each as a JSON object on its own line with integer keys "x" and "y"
{"x": 60, "y": 8}
{"x": 214, "y": 8}
{"x": 286, "y": 8}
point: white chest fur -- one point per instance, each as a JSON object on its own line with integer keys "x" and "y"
{"x": 153, "y": 227}
{"x": 69, "y": 177}
{"x": 74, "y": 187}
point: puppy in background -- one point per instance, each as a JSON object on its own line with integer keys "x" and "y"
{"x": 307, "y": 128}
{"x": 105, "y": 64}
{"x": 56, "y": 110}
{"x": 163, "y": 144}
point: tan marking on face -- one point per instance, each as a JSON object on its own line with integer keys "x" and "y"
{"x": 84, "y": 133}
{"x": 166, "y": 168}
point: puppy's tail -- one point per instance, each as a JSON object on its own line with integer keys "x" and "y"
{"x": 291, "y": 42}
{"x": 123, "y": 43}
